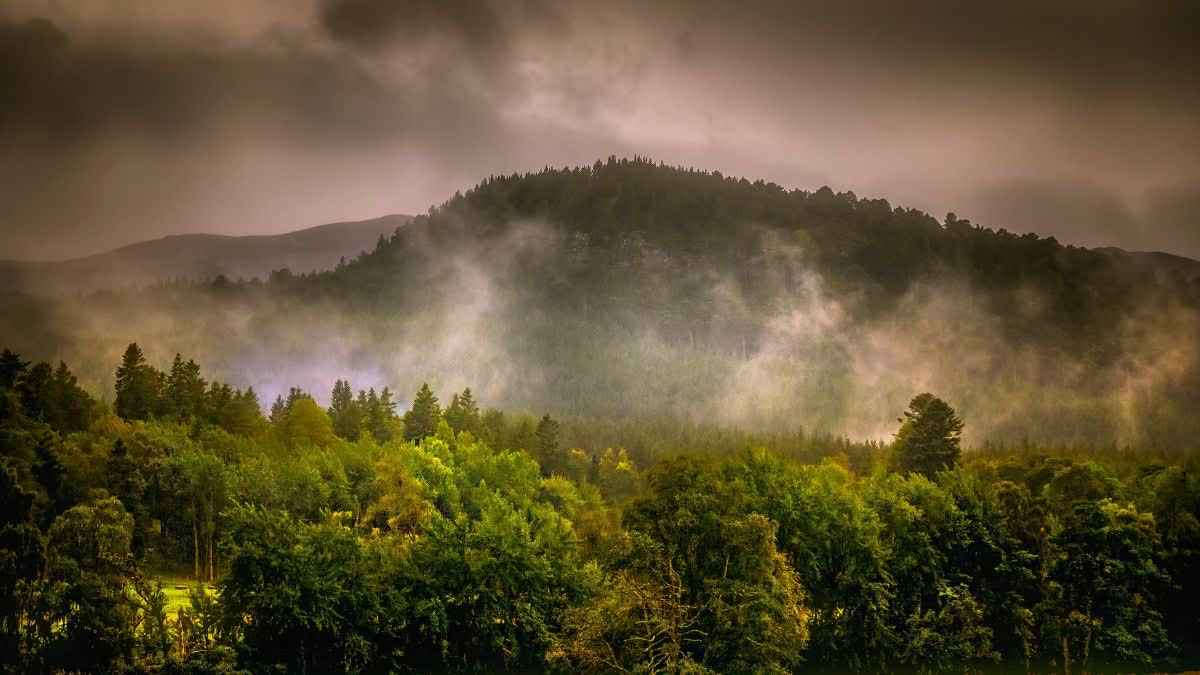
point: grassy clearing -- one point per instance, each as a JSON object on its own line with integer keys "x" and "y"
{"x": 176, "y": 590}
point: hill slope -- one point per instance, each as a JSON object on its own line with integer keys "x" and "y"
{"x": 199, "y": 257}
{"x": 630, "y": 289}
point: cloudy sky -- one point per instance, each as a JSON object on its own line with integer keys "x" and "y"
{"x": 122, "y": 120}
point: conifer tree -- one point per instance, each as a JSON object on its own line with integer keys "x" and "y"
{"x": 422, "y": 419}
{"x": 11, "y": 367}
{"x": 185, "y": 388}
{"x": 553, "y": 460}
{"x": 463, "y": 413}
{"x": 345, "y": 412}
{"x": 137, "y": 385}
{"x": 278, "y": 410}
{"x": 929, "y": 436}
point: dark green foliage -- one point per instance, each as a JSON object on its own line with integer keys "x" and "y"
{"x": 928, "y": 440}
{"x": 487, "y": 591}
{"x": 20, "y": 565}
{"x": 11, "y": 368}
{"x": 185, "y": 389}
{"x": 137, "y": 386}
{"x": 304, "y": 597}
{"x": 346, "y": 413}
{"x": 51, "y": 395}
{"x": 463, "y": 413}
{"x": 85, "y": 620}
{"x": 422, "y": 418}
{"x": 553, "y": 457}
{"x": 460, "y": 552}
{"x": 746, "y": 599}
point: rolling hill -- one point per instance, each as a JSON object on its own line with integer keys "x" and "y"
{"x": 630, "y": 289}
{"x": 198, "y": 257}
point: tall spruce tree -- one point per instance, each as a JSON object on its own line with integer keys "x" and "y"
{"x": 137, "y": 385}
{"x": 345, "y": 412}
{"x": 422, "y": 419}
{"x": 929, "y": 437}
{"x": 553, "y": 459}
{"x": 463, "y": 413}
{"x": 185, "y": 388}
{"x": 11, "y": 367}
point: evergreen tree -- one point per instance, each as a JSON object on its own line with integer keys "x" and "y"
{"x": 345, "y": 412}
{"x": 386, "y": 404}
{"x": 185, "y": 388}
{"x": 70, "y": 407}
{"x": 453, "y": 413}
{"x": 137, "y": 385}
{"x": 554, "y": 461}
{"x": 382, "y": 417}
{"x": 11, "y": 367}
{"x": 50, "y": 473}
{"x": 34, "y": 389}
{"x": 278, "y": 410}
{"x": 422, "y": 419}
{"x": 929, "y": 436}
{"x": 463, "y": 413}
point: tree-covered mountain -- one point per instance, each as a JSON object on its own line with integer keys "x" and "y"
{"x": 633, "y": 289}
{"x": 200, "y": 257}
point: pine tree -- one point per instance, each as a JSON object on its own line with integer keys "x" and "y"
{"x": 11, "y": 367}
{"x": 50, "y": 473}
{"x": 33, "y": 390}
{"x": 422, "y": 419}
{"x": 929, "y": 437}
{"x": 185, "y": 389}
{"x": 382, "y": 415}
{"x": 553, "y": 460}
{"x": 69, "y": 406}
{"x": 463, "y": 413}
{"x": 387, "y": 406}
{"x": 137, "y": 385}
{"x": 345, "y": 412}
{"x": 453, "y": 413}
{"x": 278, "y": 410}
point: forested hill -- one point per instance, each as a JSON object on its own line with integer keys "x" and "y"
{"x": 200, "y": 257}
{"x": 629, "y": 289}
{"x": 809, "y": 307}
{"x": 633, "y": 231}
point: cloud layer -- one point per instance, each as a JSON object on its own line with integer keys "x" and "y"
{"x": 123, "y": 121}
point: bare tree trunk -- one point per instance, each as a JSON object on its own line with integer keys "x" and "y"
{"x": 211, "y": 576}
{"x": 196, "y": 546}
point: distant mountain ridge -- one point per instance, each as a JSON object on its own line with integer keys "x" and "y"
{"x": 200, "y": 256}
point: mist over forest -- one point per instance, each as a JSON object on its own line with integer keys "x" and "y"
{"x": 632, "y": 289}
{"x": 770, "y": 336}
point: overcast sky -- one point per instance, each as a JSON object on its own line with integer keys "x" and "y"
{"x": 123, "y": 120}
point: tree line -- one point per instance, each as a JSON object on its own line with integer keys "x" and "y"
{"x": 356, "y": 538}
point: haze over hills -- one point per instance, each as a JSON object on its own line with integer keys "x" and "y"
{"x": 630, "y": 289}
{"x": 198, "y": 257}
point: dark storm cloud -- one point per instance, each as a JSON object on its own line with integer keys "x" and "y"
{"x": 1078, "y": 119}
{"x": 375, "y": 23}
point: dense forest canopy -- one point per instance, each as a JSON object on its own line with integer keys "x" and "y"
{"x": 629, "y": 289}
{"x": 443, "y": 535}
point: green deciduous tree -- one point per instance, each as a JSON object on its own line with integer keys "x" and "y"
{"x": 86, "y": 621}
{"x": 306, "y": 424}
{"x": 20, "y": 565}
